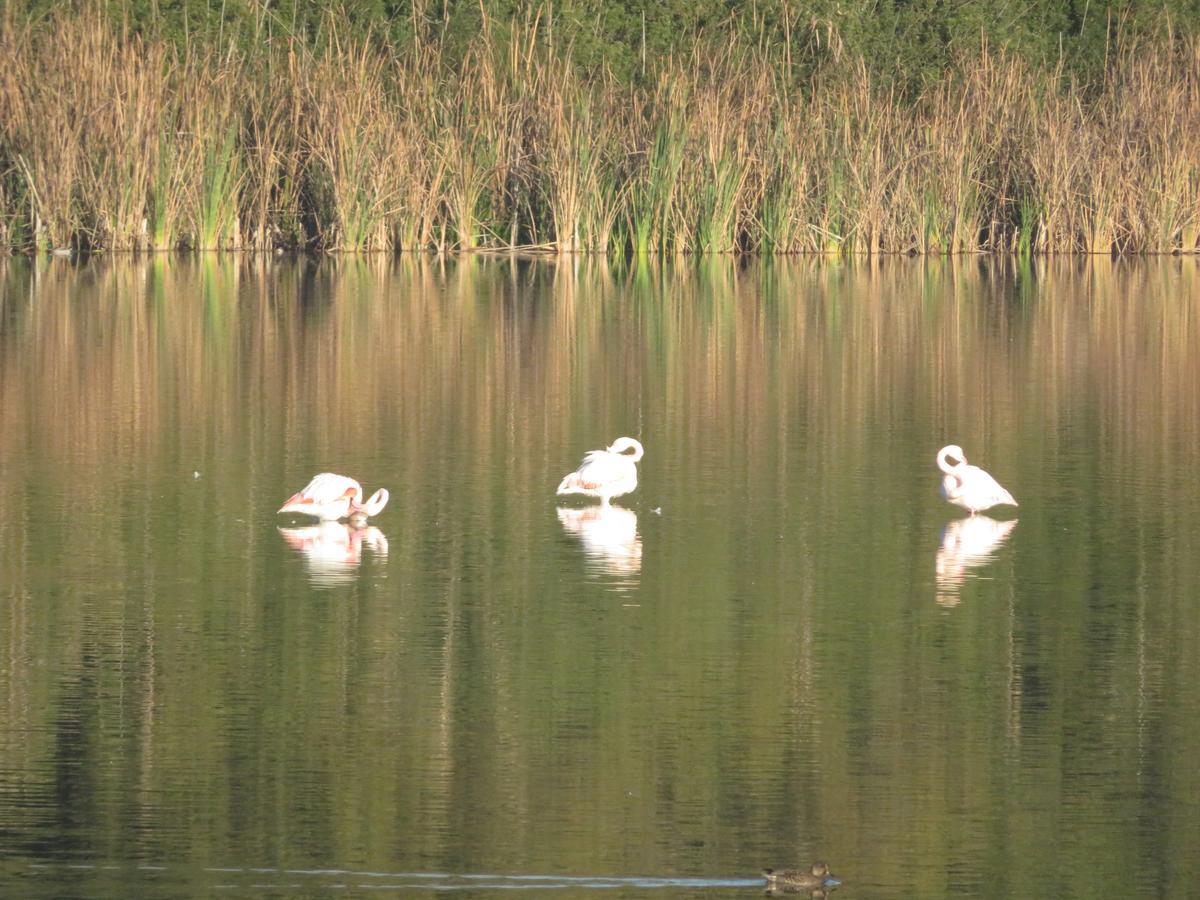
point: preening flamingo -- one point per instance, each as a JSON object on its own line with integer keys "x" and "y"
{"x": 969, "y": 486}
{"x": 330, "y": 497}
{"x": 605, "y": 473}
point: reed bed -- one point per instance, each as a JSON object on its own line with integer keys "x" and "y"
{"x": 114, "y": 141}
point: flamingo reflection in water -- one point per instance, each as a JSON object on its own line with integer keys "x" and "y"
{"x": 609, "y": 536}
{"x": 332, "y": 551}
{"x": 966, "y": 544}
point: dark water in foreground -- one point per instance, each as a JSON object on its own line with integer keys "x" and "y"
{"x": 784, "y": 646}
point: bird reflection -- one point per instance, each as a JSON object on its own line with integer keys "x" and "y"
{"x": 966, "y": 544}
{"x": 816, "y": 882}
{"x": 774, "y": 890}
{"x": 332, "y": 551}
{"x": 609, "y": 536}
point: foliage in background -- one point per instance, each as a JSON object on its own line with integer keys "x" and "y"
{"x": 876, "y": 127}
{"x": 912, "y": 40}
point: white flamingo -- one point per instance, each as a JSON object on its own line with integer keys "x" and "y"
{"x": 331, "y": 497}
{"x": 969, "y": 486}
{"x": 605, "y": 473}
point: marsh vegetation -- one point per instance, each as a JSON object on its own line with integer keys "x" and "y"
{"x": 113, "y": 137}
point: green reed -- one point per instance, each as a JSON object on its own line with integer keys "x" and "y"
{"x": 110, "y": 140}
{"x": 164, "y": 208}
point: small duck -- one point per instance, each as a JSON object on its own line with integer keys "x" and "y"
{"x": 816, "y": 878}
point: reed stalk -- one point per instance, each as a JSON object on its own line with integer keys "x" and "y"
{"x": 275, "y": 157}
{"x": 572, "y": 163}
{"x": 654, "y": 162}
{"x": 120, "y": 141}
{"x": 216, "y": 220}
{"x": 349, "y": 134}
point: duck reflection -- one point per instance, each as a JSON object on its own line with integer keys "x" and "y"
{"x": 966, "y": 544}
{"x": 818, "y": 893}
{"x": 609, "y": 536}
{"x": 816, "y": 882}
{"x": 332, "y": 551}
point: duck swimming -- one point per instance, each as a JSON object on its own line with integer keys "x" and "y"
{"x": 817, "y": 877}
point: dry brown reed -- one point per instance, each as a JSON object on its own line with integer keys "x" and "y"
{"x": 113, "y": 141}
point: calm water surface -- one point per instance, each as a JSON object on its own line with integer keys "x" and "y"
{"x": 784, "y": 646}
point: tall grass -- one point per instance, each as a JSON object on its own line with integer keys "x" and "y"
{"x": 111, "y": 140}
{"x": 350, "y": 134}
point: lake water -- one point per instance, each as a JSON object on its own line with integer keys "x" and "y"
{"x": 784, "y": 646}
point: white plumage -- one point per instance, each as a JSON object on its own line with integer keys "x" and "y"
{"x": 969, "y": 486}
{"x": 330, "y": 497}
{"x": 605, "y": 473}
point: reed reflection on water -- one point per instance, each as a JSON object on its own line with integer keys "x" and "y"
{"x": 460, "y": 695}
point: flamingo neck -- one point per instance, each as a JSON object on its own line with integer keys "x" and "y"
{"x": 944, "y": 463}
{"x": 626, "y": 444}
{"x": 374, "y": 505}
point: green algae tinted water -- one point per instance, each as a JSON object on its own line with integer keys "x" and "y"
{"x": 783, "y": 646}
